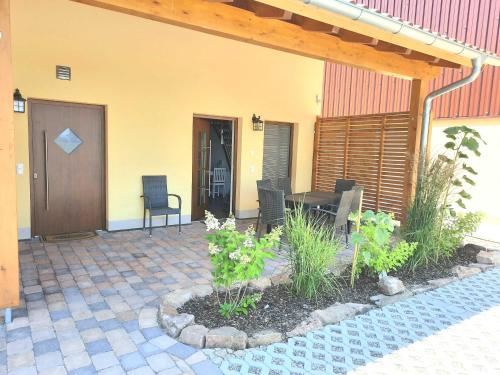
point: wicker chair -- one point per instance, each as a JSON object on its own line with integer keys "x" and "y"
{"x": 156, "y": 196}
{"x": 285, "y": 184}
{"x": 272, "y": 207}
{"x": 342, "y": 185}
{"x": 341, "y": 216}
{"x": 262, "y": 184}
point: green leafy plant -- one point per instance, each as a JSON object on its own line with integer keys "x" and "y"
{"x": 237, "y": 258}
{"x": 425, "y": 215}
{"x": 463, "y": 142}
{"x": 312, "y": 250}
{"x": 246, "y": 303}
{"x": 455, "y": 229}
{"x": 432, "y": 220}
{"x": 374, "y": 239}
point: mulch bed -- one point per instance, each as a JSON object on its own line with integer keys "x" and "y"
{"x": 281, "y": 310}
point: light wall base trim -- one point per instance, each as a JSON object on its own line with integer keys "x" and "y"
{"x": 158, "y": 221}
{"x": 247, "y": 214}
{"x": 24, "y": 233}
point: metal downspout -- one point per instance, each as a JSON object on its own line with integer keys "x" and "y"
{"x": 477, "y": 64}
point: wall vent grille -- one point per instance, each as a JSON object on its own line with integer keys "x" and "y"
{"x": 63, "y": 72}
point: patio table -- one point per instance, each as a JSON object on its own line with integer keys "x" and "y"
{"x": 313, "y": 198}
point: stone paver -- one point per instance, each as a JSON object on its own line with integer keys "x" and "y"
{"x": 91, "y": 306}
{"x": 450, "y": 330}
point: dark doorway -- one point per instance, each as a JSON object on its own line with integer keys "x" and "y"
{"x": 67, "y": 167}
{"x": 213, "y": 167}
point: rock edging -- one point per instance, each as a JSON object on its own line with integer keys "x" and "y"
{"x": 184, "y": 329}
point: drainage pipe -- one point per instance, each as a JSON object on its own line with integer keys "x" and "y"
{"x": 426, "y": 111}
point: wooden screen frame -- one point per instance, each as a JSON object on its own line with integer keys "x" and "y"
{"x": 378, "y": 160}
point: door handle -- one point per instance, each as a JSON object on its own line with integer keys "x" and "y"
{"x": 209, "y": 165}
{"x": 46, "y": 149}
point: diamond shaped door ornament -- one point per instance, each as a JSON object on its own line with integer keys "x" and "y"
{"x": 68, "y": 141}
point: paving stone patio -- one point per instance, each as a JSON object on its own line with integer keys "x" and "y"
{"x": 90, "y": 306}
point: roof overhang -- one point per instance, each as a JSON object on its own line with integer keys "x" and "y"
{"x": 357, "y": 18}
{"x": 292, "y": 26}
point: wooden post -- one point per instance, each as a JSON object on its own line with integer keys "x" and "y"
{"x": 419, "y": 91}
{"x": 355, "y": 254}
{"x": 317, "y": 128}
{"x": 380, "y": 162}
{"x": 9, "y": 261}
{"x": 346, "y": 147}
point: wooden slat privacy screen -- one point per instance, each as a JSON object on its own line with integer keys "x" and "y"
{"x": 371, "y": 149}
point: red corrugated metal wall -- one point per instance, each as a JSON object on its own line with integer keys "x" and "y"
{"x": 350, "y": 91}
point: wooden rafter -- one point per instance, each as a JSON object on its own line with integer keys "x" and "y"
{"x": 414, "y": 55}
{"x": 313, "y": 25}
{"x": 266, "y": 11}
{"x": 446, "y": 64}
{"x": 352, "y": 37}
{"x": 389, "y": 47}
{"x": 232, "y": 22}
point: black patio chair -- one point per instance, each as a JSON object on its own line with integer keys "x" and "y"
{"x": 356, "y": 201}
{"x": 341, "y": 216}
{"x": 155, "y": 194}
{"x": 272, "y": 207}
{"x": 285, "y": 184}
{"x": 342, "y": 185}
{"x": 266, "y": 184}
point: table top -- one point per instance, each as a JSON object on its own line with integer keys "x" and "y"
{"x": 314, "y": 198}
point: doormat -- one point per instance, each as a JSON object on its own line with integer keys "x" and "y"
{"x": 68, "y": 237}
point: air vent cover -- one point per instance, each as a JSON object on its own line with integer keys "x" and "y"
{"x": 63, "y": 72}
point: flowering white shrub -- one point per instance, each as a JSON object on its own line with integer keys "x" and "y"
{"x": 237, "y": 258}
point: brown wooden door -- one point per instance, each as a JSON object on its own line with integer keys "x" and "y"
{"x": 67, "y": 167}
{"x": 201, "y": 168}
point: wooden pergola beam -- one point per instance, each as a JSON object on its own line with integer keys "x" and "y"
{"x": 9, "y": 254}
{"x": 231, "y": 22}
{"x": 323, "y": 15}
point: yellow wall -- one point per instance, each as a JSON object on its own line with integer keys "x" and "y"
{"x": 485, "y": 196}
{"x": 153, "y": 77}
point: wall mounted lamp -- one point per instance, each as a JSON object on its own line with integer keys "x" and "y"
{"x": 19, "y": 102}
{"x": 258, "y": 124}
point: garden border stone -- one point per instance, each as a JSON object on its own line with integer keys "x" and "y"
{"x": 230, "y": 339}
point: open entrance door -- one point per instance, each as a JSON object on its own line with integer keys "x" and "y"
{"x": 213, "y": 166}
{"x": 201, "y": 167}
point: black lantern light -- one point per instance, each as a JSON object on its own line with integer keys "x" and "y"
{"x": 19, "y": 102}
{"x": 258, "y": 124}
